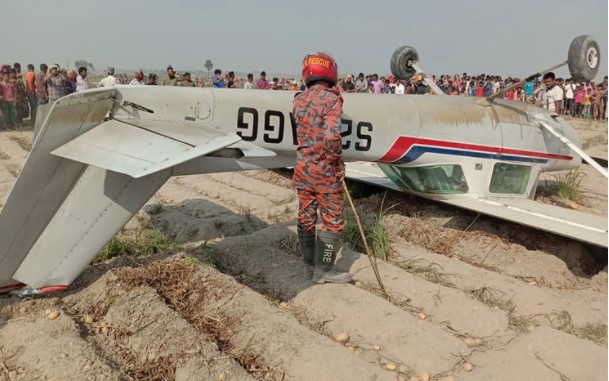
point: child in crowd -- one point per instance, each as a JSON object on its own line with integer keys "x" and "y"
{"x": 588, "y": 104}
{"x": 8, "y": 99}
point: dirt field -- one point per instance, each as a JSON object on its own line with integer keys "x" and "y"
{"x": 221, "y": 297}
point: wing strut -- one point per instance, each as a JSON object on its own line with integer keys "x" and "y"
{"x": 428, "y": 80}
{"x": 575, "y": 148}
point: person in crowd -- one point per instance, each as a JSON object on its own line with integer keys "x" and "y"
{"x": 587, "y": 114}
{"x": 30, "y": 91}
{"x": 580, "y": 93}
{"x": 171, "y": 79}
{"x": 71, "y": 82}
{"x": 400, "y": 89}
{"x": 22, "y": 105}
{"x": 377, "y": 84}
{"x": 218, "y": 81}
{"x": 480, "y": 89}
{"x": 361, "y": 85}
{"x": 348, "y": 86}
{"x": 419, "y": 86}
{"x": 262, "y": 83}
{"x": 471, "y": 88}
{"x": 449, "y": 89}
{"x": 138, "y": 78}
{"x": 201, "y": 81}
{"x": 17, "y": 70}
{"x": 187, "y": 80}
{"x": 275, "y": 85}
{"x": 230, "y": 80}
{"x": 249, "y": 84}
{"x": 109, "y": 80}
{"x": 553, "y": 95}
{"x": 569, "y": 91}
{"x": 8, "y": 99}
{"x": 56, "y": 83}
{"x": 151, "y": 80}
{"x": 386, "y": 89}
{"x": 294, "y": 85}
{"x": 529, "y": 91}
{"x": 488, "y": 88}
{"x": 519, "y": 95}
{"x": 605, "y": 92}
{"x": 458, "y": 82}
{"x": 82, "y": 82}
{"x": 42, "y": 94}
{"x": 597, "y": 102}
{"x": 441, "y": 84}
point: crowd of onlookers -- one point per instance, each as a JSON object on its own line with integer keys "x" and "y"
{"x": 21, "y": 93}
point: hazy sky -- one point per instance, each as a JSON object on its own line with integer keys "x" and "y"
{"x": 509, "y": 37}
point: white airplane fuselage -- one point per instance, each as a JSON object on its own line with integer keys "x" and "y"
{"x": 405, "y": 131}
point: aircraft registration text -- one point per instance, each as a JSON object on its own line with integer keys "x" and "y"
{"x": 274, "y": 125}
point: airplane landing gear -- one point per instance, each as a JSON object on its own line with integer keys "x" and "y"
{"x": 402, "y": 60}
{"x": 584, "y": 58}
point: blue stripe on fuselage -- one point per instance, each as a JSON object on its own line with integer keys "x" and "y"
{"x": 418, "y": 151}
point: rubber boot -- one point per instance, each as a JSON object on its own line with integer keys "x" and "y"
{"x": 327, "y": 246}
{"x": 307, "y": 249}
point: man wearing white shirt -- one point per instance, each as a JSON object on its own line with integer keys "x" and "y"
{"x": 82, "y": 82}
{"x": 496, "y": 84}
{"x": 110, "y": 80}
{"x": 138, "y": 78}
{"x": 569, "y": 95}
{"x": 249, "y": 84}
{"x": 553, "y": 96}
{"x": 400, "y": 89}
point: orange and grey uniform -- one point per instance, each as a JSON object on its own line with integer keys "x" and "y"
{"x": 317, "y": 112}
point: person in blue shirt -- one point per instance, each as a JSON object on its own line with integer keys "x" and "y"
{"x": 529, "y": 90}
{"x": 488, "y": 89}
{"x": 218, "y": 81}
{"x": 472, "y": 89}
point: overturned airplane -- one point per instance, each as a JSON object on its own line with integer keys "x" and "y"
{"x": 100, "y": 155}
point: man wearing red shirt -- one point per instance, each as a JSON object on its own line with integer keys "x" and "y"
{"x": 262, "y": 83}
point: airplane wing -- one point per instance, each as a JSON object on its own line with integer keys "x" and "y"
{"x": 162, "y": 145}
{"x": 566, "y": 222}
{"x": 554, "y": 219}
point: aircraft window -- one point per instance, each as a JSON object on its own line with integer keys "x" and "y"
{"x": 510, "y": 178}
{"x": 446, "y": 179}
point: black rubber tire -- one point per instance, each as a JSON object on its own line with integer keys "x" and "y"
{"x": 399, "y": 62}
{"x": 584, "y": 58}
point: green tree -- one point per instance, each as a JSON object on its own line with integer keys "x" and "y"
{"x": 208, "y": 65}
{"x": 91, "y": 67}
{"x": 79, "y": 63}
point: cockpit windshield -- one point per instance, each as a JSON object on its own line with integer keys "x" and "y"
{"x": 437, "y": 179}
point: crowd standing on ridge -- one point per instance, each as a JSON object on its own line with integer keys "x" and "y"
{"x": 21, "y": 93}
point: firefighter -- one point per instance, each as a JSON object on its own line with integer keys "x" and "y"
{"x": 319, "y": 169}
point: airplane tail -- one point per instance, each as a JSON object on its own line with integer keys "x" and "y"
{"x": 52, "y": 194}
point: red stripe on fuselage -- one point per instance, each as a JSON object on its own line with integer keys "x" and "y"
{"x": 404, "y": 143}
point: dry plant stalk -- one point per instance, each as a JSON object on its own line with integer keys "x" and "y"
{"x": 368, "y": 253}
